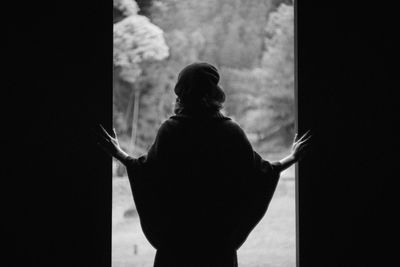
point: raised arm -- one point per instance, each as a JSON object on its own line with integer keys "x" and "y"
{"x": 299, "y": 148}
{"x": 109, "y": 143}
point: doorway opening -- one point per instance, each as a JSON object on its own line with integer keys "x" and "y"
{"x": 252, "y": 44}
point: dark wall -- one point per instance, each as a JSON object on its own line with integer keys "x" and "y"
{"x": 56, "y": 186}
{"x": 347, "y": 82}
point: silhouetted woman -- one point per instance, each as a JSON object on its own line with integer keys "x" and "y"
{"x": 201, "y": 188}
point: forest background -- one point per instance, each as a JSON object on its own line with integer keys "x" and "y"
{"x": 251, "y": 42}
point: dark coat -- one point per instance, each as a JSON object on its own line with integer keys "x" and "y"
{"x": 200, "y": 191}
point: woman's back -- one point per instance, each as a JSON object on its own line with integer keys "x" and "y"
{"x": 194, "y": 188}
{"x": 202, "y": 165}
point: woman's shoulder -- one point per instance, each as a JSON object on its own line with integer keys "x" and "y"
{"x": 222, "y": 122}
{"x": 176, "y": 119}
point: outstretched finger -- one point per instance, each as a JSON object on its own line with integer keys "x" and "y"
{"x": 104, "y": 131}
{"x": 304, "y": 136}
{"x": 114, "y": 133}
{"x": 305, "y": 140}
{"x": 295, "y": 137}
{"x": 304, "y": 146}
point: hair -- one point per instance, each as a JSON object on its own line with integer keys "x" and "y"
{"x": 197, "y": 90}
{"x": 206, "y": 105}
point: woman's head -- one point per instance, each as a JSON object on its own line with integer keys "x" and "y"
{"x": 197, "y": 90}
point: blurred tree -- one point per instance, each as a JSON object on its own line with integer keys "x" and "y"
{"x": 262, "y": 98}
{"x": 278, "y": 61}
{"x": 136, "y": 40}
{"x": 232, "y": 29}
